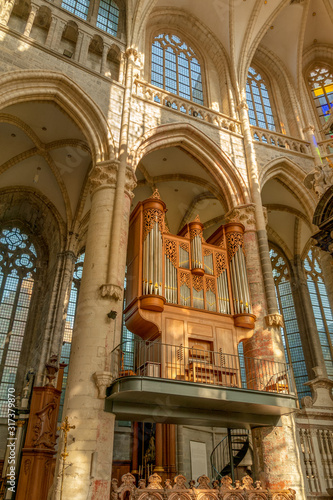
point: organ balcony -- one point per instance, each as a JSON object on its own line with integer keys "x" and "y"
{"x": 188, "y": 303}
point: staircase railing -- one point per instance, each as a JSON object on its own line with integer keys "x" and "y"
{"x": 229, "y": 453}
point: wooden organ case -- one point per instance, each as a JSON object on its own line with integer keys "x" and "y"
{"x": 182, "y": 290}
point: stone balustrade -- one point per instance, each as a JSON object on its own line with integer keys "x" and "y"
{"x": 179, "y": 490}
{"x": 326, "y": 147}
{"x": 275, "y": 139}
{"x": 174, "y": 102}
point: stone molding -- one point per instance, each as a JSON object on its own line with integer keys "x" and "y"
{"x": 111, "y": 291}
{"x": 130, "y": 182}
{"x": 102, "y": 380}
{"x": 321, "y": 390}
{"x": 104, "y": 175}
{"x": 245, "y": 214}
{"x": 274, "y": 320}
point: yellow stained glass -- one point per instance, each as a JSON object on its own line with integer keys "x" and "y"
{"x": 320, "y": 91}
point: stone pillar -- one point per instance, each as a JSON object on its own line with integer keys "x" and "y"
{"x": 309, "y": 132}
{"x": 90, "y": 444}
{"x": 52, "y": 28}
{"x": 31, "y": 18}
{"x": 57, "y": 35}
{"x": 84, "y": 48}
{"x": 78, "y": 45}
{"x": 135, "y": 449}
{"x": 106, "y": 48}
{"x": 313, "y": 353}
{"x": 159, "y": 449}
{"x": 7, "y": 11}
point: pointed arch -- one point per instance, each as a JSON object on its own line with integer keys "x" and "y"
{"x": 33, "y": 85}
{"x": 206, "y": 151}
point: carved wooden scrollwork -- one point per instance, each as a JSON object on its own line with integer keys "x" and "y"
{"x": 170, "y": 251}
{"x": 198, "y": 283}
{"x": 220, "y": 262}
{"x": 234, "y": 241}
{"x": 210, "y": 285}
{"x": 184, "y": 279}
{"x": 152, "y": 215}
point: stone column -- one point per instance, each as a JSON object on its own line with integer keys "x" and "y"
{"x": 57, "y": 35}
{"x": 90, "y": 444}
{"x": 84, "y": 48}
{"x": 78, "y": 45}
{"x": 309, "y": 132}
{"x": 7, "y": 11}
{"x": 159, "y": 449}
{"x": 31, "y": 18}
{"x": 106, "y": 48}
{"x": 313, "y": 353}
{"x": 51, "y": 31}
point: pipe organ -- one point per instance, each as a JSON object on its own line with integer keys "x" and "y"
{"x": 182, "y": 289}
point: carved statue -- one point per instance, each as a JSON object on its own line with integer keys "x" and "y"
{"x": 320, "y": 179}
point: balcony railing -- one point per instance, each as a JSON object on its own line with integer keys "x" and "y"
{"x": 192, "y": 364}
{"x": 275, "y": 139}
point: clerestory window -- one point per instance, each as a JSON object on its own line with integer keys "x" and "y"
{"x": 18, "y": 263}
{"x": 77, "y": 7}
{"x": 291, "y": 337}
{"x": 321, "y": 307}
{"x": 175, "y": 67}
{"x": 321, "y": 83}
{"x": 108, "y": 17}
{"x": 258, "y": 101}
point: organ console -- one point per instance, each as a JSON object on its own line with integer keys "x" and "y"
{"x": 183, "y": 290}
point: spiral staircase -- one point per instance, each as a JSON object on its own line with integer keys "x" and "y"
{"x": 229, "y": 453}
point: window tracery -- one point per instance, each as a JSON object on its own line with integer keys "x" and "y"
{"x": 175, "y": 67}
{"x": 258, "y": 101}
{"x": 108, "y": 17}
{"x": 18, "y": 264}
{"x": 77, "y": 7}
{"x": 291, "y": 337}
{"x": 321, "y": 307}
{"x": 320, "y": 80}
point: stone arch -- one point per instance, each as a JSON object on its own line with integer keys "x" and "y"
{"x": 291, "y": 175}
{"x": 206, "y": 151}
{"x": 35, "y": 85}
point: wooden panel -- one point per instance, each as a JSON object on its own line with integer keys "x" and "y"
{"x": 199, "y": 329}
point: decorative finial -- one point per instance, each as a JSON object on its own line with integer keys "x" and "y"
{"x": 197, "y": 219}
{"x": 156, "y": 194}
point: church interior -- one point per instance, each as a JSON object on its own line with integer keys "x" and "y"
{"x": 166, "y": 243}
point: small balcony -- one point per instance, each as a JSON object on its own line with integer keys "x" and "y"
{"x": 166, "y": 383}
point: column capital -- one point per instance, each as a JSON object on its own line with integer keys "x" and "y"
{"x": 130, "y": 182}
{"x": 309, "y": 129}
{"x": 275, "y": 319}
{"x": 243, "y": 105}
{"x": 245, "y": 214}
{"x": 102, "y": 380}
{"x": 131, "y": 53}
{"x": 104, "y": 175}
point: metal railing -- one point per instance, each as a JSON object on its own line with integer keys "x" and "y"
{"x": 192, "y": 364}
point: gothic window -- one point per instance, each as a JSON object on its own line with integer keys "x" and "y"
{"x": 321, "y": 83}
{"x": 260, "y": 109}
{"x": 108, "y": 17}
{"x": 77, "y": 7}
{"x": 176, "y": 68}
{"x": 71, "y": 310}
{"x": 290, "y": 333}
{"x": 18, "y": 260}
{"x": 321, "y": 307}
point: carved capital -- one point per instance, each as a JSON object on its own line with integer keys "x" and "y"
{"x": 245, "y": 214}
{"x": 320, "y": 179}
{"x": 131, "y": 53}
{"x": 102, "y": 380}
{"x": 274, "y": 320}
{"x": 112, "y": 291}
{"x": 130, "y": 182}
{"x": 104, "y": 175}
{"x": 321, "y": 389}
{"x": 309, "y": 129}
{"x": 243, "y": 105}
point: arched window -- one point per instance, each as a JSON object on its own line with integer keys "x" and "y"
{"x": 108, "y": 17}
{"x": 260, "y": 109}
{"x": 321, "y": 307}
{"x": 321, "y": 83}
{"x": 175, "y": 68}
{"x": 18, "y": 260}
{"x": 77, "y": 7}
{"x": 71, "y": 310}
{"x": 290, "y": 333}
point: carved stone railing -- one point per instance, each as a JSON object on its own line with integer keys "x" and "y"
{"x": 179, "y": 490}
{"x": 326, "y": 147}
{"x": 275, "y": 139}
{"x": 176, "y": 103}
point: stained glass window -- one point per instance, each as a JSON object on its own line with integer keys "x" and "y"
{"x": 291, "y": 337}
{"x": 71, "y": 310}
{"x": 321, "y": 307}
{"x": 258, "y": 101}
{"x": 77, "y": 7}
{"x": 321, "y": 84}
{"x": 175, "y": 68}
{"x": 18, "y": 259}
{"x": 108, "y": 17}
